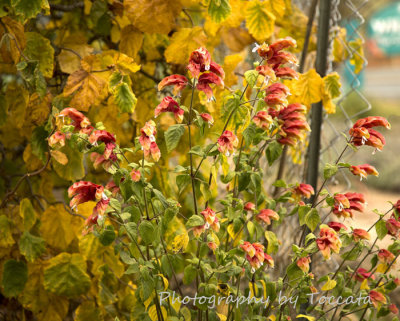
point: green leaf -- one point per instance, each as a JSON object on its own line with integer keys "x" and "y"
{"x": 195, "y": 220}
{"x": 31, "y": 246}
{"x": 249, "y": 133}
{"x": 173, "y": 136}
{"x": 303, "y": 211}
{"x": 147, "y": 232}
{"x": 27, "y": 213}
{"x": 330, "y": 170}
{"x": 147, "y": 282}
{"x": 124, "y": 98}
{"x": 182, "y": 181}
{"x": 353, "y": 254}
{"x": 273, "y": 151}
{"x": 273, "y": 244}
{"x": 29, "y": 8}
{"x": 74, "y": 169}
{"x": 251, "y": 77}
{"x": 189, "y": 274}
{"x": 219, "y": 10}
{"x": 280, "y": 183}
{"x": 233, "y": 109}
{"x": 40, "y": 49}
{"x": 381, "y": 230}
{"x": 312, "y": 219}
{"x": 15, "y": 275}
{"x": 39, "y": 142}
{"x": 66, "y": 275}
{"x": 107, "y": 236}
{"x": 294, "y": 272}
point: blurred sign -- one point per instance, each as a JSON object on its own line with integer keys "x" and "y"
{"x": 383, "y": 30}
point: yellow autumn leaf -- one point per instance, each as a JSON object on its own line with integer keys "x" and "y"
{"x": 357, "y": 57}
{"x": 364, "y": 285}
{"x": 230, "y": 64}
{"x": 57, "y": 227}
{"x": 237, "y": 15}
{"x": 278, "y": 8}
{"x": 153, "y": 16}
{"x": 221, "y": 317}
{"x": 87, "y": 88}
{"x": 180, "y": 242}
{"x": 27, "y": 212}
{"x": 153, "y": 313}
{"x": 272, "y": 318}
{"x": 183, "y": 42}
{"x": 69, "y": 60}
{"x": 59, "y": 157}
{"x": 329, "y": 285}
{"x": 234, "y": 236}
{"x": 164, "y": 280}
{"x": 339, "y": 51}
{"x": 36, "y": 113}
{"x": 330, "y": 90}
{"x": 15, "y": 37}
{"x": 6, "y": 238}
{"x": 260, "y": 20}
{"x": 45, "y": 305}
{"x": 308, "y": 88}
{"x": 381, "y": 268}
{"x": 305, "y": 317}
{"x": 131, "y": 41}
{"x": 253, "y": 289}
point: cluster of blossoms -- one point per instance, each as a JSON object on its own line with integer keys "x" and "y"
{"x": 328, "y": 241}
{"x": 362, "y": 132}
{"x": 346, "y": 203}
{"x": 148, "y": 141}
{"x": 291, "y": 118}
{"x": 211, "y": 220}
{"x": 363, "y": 171}
{"x": 265, "y": 215}
{"x": 108, "y": 157}
{"x": 82, "y": 192}
{"x": 256, "y": 256}
{"x": 393, "y": 223}
{"x": 302, "y": 191}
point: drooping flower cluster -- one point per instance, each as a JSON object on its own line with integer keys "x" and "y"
{"x": 211, "y": 220}
{"x": 227, "y": 142}
{"x": 266, "y": 215}
{"x": 256, "y": 256}
{"x": 302, "y": 190}
{"x": 360, "y": 234}
{"x": 292, "y": 121}
{"x": 304, "y": 264}
{"x": 82, "y": 192}
{"x": 362, "y": 274}
{"x": 168, "y": 104}
{"x": 276, "y": 95}
{"x": 356, "y": 202}
{"x": 337, "y": 226}
{"x": 108, "y": 157}
{"x": 262, "y": 120}
{"x": 79, "y": 121}
{"x": 363, "y": 134}
{"x": 203, "y": 69}
{"x": 385, "y": 256}
{"x": 147, "y": 140}
{"x": 276, "y": 58}
{"x": 364, "y": 170}
{"x": 328, "y": 241}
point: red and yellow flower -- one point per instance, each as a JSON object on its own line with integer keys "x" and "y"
{"x": 57, "y": 140}
{"x": 227, "y": 142}
{"x": 360, "y": 234}
{"x": 362, "y": 274}
{"x": 302, "y": 190}
{"x": 377, "y": 298}
{"x": 266, "y": 215}
{"x": 256, "y": 256}
{"x": 80, "y": 122}
{"x": 108, "y": 157}
{"x": 328, "y": 241}
{"x": 363, "y": 134}
{"x": 364, "y": 170}
{"x": 168, "y": 104}
{"x": 337, "y": 226}
{"x": 262, "y": 120}
{"x": 304, "y": 263}
{"x": 178, "y": 81}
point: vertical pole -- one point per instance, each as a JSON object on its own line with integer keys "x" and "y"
{"x": 317, "y": 109}
{"x": 321, "y": 64}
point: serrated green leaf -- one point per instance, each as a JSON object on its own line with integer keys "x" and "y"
{"x": 15, "y": 275}
{"x": 40, "y": 49}
{"x": 273, "y": 244}
{"x": 173, "y": 136}
{"x": 330, "y": 170}
{"x": 260, "y": 20}
{"x": 219, "y": 10}
{"x": 194, "y": 220}
{"x": 124, "y": 98}
{"x": 312, "y": 219}
{"x": 147, "y": 232}
{"x": 27, "y": 213}
{"x": 251, "y": 77}
{"x": 381, "y": 230}
{"x": 273, "y": 151}
{"x": 31, "y": 246}
{"x": 66, "y": 275}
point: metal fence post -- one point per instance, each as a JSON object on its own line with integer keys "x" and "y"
{"x": 317, "y": 109}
